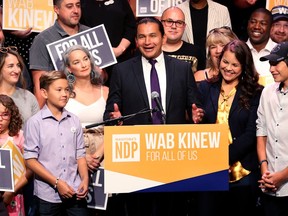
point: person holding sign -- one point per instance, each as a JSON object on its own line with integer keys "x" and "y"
{"x": 120, "y": 24}
{"x": 67, "y": 24}
{"x": 54, "y": 150}
{"x": 27, "y": 77}
{"x": 234, "y": 100}
{"x": 134, "y": 87}
{"x": 10, "y": 130}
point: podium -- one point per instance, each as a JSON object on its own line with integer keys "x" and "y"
{"x": 166, "y": 158}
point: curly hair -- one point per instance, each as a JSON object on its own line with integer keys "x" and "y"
{"x": 248, "y": 80}
{"x": 15, "y": 116}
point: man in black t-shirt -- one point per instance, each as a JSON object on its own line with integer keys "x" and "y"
{"x": 173, "y": 20}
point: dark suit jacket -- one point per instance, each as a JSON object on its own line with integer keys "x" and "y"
{"x": 128, "y": 90}
{"x": 242, "y": 123}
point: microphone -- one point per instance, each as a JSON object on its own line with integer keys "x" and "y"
{"x": 155, "y": 97}
{"x": 121, "y": 118}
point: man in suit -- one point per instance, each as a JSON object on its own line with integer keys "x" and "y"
{"x": 130, "y": 89}
{"x": 130, "y": 92}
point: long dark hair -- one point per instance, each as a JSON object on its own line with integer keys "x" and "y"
{"x": 248, "y": 80}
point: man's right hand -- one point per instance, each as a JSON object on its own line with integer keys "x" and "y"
{"x": 116, "y": 114}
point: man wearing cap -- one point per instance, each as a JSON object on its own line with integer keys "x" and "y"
{"x": 272, "y": 136}
{"x": 279, "y": 29}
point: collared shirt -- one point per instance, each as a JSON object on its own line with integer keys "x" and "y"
{"x": 263, "y": 68}
{"x": 161, "y": 71}
{"x": 56, "y": 145}
{"x": 272, "y": 122}
{"x": 39, "y": 58}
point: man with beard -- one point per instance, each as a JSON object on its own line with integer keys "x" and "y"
{"x": 202, "y": 16}
{"x": 260, "y": 43}
{"x": 279, "y": 29}
{"x": 67, "y": 24}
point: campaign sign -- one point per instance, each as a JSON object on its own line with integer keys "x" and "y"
{"x": 17, "y": 160}
{"x": 160, "y": 158}
{"x": 6, "y": 170}
{"x": 24, "y": 14}
{"x": 94, "y": 39}
{"x": 145, "y": 8}
{"x": 272, "y": 3}
{"x": 96, "y": 198}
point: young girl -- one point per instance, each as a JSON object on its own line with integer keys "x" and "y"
{"x": 10, "y": 129}
{"x": 54, "y": 149}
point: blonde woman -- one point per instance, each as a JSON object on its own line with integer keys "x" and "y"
{"x": 216, "y": 40}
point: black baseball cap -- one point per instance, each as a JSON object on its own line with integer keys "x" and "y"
{"x": 278, "y": 53}
{"x": 279, "y": 12}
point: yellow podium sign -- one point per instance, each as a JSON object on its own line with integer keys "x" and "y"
{"x": 166, "y": 158}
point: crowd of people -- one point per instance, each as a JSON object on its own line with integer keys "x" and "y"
{"x": 202, "y": 71}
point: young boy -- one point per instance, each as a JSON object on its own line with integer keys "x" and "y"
{"x": 54, "y": 150}
{"x": 272, "y": 136}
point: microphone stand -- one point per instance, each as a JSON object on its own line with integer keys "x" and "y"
{"x": 121, "y": 118}
{"x": 163, "y": 117}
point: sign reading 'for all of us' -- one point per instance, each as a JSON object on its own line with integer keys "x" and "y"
{"x": 24, "y": 14}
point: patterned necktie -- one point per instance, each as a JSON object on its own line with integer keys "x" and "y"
{"x": 156, "y": 116}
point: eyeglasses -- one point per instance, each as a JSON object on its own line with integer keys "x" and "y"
{"x": 5, "y": 116}
{"x": 170, "y": 22}
{"x": 6, "y": 49}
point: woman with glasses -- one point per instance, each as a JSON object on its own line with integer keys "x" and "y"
{"x": 216, "y": 40}
{"x": 10, "y": 129}
{"x": 234, "y": 100}
{"x": 11, "y": 67}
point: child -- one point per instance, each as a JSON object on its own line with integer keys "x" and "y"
{"x": 54, "y": 150}
{"x": 10, "y": 128}
{"x": 272, "y": 136}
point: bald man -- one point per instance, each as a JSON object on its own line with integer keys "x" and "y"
{"x": 173, "y": 20}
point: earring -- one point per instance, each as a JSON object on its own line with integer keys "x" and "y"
{"x": 71, "y": 78}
